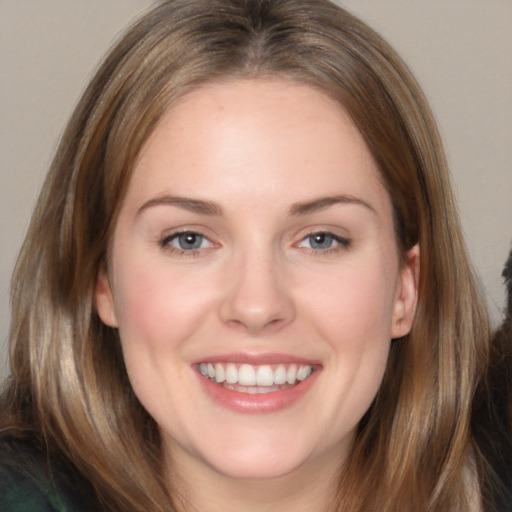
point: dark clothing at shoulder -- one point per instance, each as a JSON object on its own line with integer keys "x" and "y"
{"x": 29, "y": 483}
{"x": 23, "y": 493}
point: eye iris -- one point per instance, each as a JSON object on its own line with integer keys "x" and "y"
{"x": 320, "y": 241}
{"x": 190, "y": 241}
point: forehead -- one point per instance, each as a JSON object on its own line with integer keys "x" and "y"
{"x": 254, "y": 136}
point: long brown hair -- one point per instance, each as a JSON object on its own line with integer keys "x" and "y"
{"x": 68, "y": 382}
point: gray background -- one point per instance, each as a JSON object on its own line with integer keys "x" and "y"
{"x": 460, "y": 50}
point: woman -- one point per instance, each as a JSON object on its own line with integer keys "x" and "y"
{"x": 249, "y": 203}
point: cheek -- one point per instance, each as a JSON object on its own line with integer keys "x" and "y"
{"x": 158, "y": 307}
{"x": 352, "y": 312}
{"x": 355, "y": 303}
{"x": 157, "y": 313}
{"x": 354, "y": 319}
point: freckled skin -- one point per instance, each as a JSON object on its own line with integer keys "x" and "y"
{"x": 256, "y": 148}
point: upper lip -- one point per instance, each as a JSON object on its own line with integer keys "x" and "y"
{"x": 256, "y": 359}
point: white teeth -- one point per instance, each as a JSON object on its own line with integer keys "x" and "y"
{"x": 231, "y": 374}
{"x": 291, "y": 374}
{"x": 304, "y": 372}
{"x": 262, "y": 378}
{"x": 280, "y": 375}
{"x": 247, "y": 375}
{"x": 220, "y": 375}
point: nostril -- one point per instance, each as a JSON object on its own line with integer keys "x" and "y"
{"x": 255, "y": 299}
{"x": 256, "y": 320}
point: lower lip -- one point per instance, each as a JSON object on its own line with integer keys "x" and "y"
{"x": 257, "y": 403}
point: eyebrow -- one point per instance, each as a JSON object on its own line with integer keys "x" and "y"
{"x": 322, "y": 203}
{"x": 212, "y": 208}
{"x": 186, "y": 203}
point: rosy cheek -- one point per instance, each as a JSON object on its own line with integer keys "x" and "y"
{"x": 355, "y": 303}
{"x": 138, "y": 303}
{"x": 160, "y": 305}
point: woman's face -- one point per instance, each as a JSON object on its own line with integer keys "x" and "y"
{"x": 255, "y": 280}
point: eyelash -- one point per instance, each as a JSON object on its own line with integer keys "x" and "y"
{"x": 341, "y": 243}
{"x": 165, "y": 243}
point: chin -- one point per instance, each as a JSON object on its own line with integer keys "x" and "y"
{"x": 267, "y": 453}
{"x": 258, "y": 466}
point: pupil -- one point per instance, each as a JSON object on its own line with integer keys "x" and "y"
{"x": 189, "y": 241}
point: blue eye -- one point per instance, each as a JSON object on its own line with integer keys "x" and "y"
{"x": 320, "y": 241}
{"x": 186, "y": 241}
{"x": 324, "y": 241}
{"x": 189, "y": 241}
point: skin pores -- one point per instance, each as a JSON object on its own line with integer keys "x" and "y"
{"x": 256, "y": 232}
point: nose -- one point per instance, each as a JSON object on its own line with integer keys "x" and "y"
{"x": 256, "y": 296}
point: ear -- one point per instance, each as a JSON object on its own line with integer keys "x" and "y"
{"x": 104, "y": 299}
{"x": 406, "y": 297}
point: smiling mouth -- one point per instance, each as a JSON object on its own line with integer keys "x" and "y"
{"x": 252, "y": 379}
